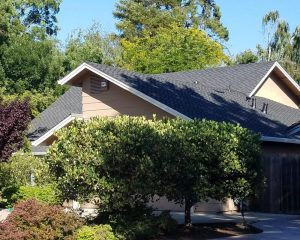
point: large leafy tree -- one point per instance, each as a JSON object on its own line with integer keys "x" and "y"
{"x": 90, "y": 45}
{"x": 14, "y": 120}
{"x": 128, "y": 160}
{"x": 283, "y": 45}
{"x": 171, "y": 49}
{"x": 138, "y": 15}
{"x": 22, "y": 15}
{"x": 30, "y": 61}
{"x": 206, "y": 159}
{"x": 246, "y": 57}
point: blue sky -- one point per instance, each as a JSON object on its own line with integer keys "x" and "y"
{"x": 241, "y": 17}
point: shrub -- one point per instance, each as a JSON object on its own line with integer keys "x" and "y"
{"x": 97, "y": 232}
{"x": 46, "y": 194}
{"x": 139, "y": 224}
{"x": 17, "y": 171}
{"x": 34, "y": 220}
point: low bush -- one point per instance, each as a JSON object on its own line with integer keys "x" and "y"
{"x": 17, "y": 172}
{"x": 96, "y": 232}
{"x": 35, "y": 220}
{"x": 46, "y": 194}
{"x": 142, "y": 224}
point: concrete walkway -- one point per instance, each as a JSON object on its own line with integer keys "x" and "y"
{"x": 275, "y": 226}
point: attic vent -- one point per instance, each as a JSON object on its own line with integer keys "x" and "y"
{"x": 98, "y": 85}
{"x": 253, "y": 103}
{"x": 265, "y": 108}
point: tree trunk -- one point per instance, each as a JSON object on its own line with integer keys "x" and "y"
{"x": 187, "y": 213}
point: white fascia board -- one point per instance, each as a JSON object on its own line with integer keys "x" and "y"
{"x": 145, "y": 97}
{"x": 276, "y": 64}
{"x": 279, "y": 140}
{"x": 55, "y": 128}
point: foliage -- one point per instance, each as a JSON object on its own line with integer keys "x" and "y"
{"x": 171, "y": 49}
{"x": 17, "y": 172}
{"x": 282, "y": 44}
{"x": 96, "y": 232}
{"x": 127, "y": 160}
{"x": 21, "y": 165}
{"x": 136, "y": 16}
{"x": 34, "y": 220}
{"x": 141, "y": 224}
{"x": 30, "y": 61}
{"x": 22, "y": 16}
{"x": 110, "y": 148}
{"x": 84, "y": 46}
{"x": 91, "y": 45}
{"x": 246, "y": 57}
{"x": 14, "y": 119}
{"x": 38, "y": 101}
{"x": 46, "y": 194}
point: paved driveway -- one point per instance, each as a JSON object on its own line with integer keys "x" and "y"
{"x": 279, "y": 228}
{"x": 275, "y": 226}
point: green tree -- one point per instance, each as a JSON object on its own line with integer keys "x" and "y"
{"x": 90, "y": 45}
{"x": 206, "y": 159}
{"x": 282, "y": 44}
{"x": 136, "y": 16}
{"x": 30, "y": 64}
{"x": 128, "y": 160}
{"x": 114, "y": 167}
{"x": 171, "y": 49}
{"x": 246, "y": 57}
{"x": 21, "y": 16}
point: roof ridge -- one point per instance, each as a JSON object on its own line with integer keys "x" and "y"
{"x": 184, "y": 71}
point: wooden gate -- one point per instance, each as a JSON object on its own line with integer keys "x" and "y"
{"x": 282, "y": 172}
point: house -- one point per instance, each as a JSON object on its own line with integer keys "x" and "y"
{"x": 260, "y": 96}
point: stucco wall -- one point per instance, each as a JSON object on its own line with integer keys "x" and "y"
{"x": 115, "y": 101}
{"x": 275, "y": 89}
{"x": 209, "y": 206}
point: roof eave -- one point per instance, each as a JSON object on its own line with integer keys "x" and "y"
{"x": 60, "y": 125}
{"x": 86, "y": 66}
{"x": 261, "y": 82}
{"x": 280, "y": 140}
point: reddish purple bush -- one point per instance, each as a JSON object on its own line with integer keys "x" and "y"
{"x": 34, "y": 220}
{"x": 14, "y": 119}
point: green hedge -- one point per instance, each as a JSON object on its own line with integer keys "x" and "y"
{"x": 46, "y": 194}
{"x": 97, "y": 232}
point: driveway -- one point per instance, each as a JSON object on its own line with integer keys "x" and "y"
{"x": 278, "y": 228}
{"x": 274, "y": 226}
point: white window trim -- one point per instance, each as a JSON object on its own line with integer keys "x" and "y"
{"x": 262, "y": 81}
{"x": 145, "y": 97}
{"x": 56, "y": 128}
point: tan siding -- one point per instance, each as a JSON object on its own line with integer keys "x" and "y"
{"x": 275, "y": 89}
{"x": 209, "y": 206}
{"x": 116, "y": 101}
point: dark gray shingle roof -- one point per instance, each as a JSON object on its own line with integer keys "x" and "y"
{"x": 69, "y": 103}
{"x": 219, "y": 94}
